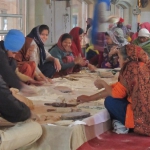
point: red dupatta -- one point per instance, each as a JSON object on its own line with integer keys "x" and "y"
{"x": 23, "y": 55}
{"x": 66, "y": 59}
{"x": 59, "y": 43}
{"x": 76, "y": 45}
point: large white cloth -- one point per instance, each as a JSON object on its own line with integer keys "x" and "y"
{"x": 22, "y": 134}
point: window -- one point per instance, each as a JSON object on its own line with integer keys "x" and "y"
{"x": 119, "y": 11}
{"x": 74, "y": 20}
{"x": 84, "y": 14}
{"x": 79, "y": 13}
{"x": 11, "y": 16}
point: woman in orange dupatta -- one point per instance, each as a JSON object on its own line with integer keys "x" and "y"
{"x": 24, "y": 65}
{"x": 128, "y": 100}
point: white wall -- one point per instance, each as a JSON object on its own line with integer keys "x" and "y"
{"x": 145, "y": 15}
{"x": 57, "y": 17}
{"x": 129, "y": 5}
{"x": 39, "y": 12}
{"x": 62, "y": 19}
{"x": 49, "y": 20}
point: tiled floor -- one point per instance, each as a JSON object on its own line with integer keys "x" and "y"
{"x": 113, "y": 141}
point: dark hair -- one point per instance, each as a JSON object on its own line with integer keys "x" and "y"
{"x": 120, "y": 39}
{"x": 66, "y": 36}
{"x": 106, "y": 33}
{"x": 123, "y": 52}
{"x": 81, "y": 31}
{"x": 43, "y": 27}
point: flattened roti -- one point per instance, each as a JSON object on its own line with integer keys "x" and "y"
{"x": 63, "y": 89}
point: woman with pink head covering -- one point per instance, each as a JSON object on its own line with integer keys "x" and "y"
{"x": 62, "y": 51}
{"x": 111, "y": 26}
{"x": 128, "y": 26}
{"x": 145, "y": 25}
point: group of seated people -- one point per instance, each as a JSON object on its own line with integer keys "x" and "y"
{"x": 116, "y": 37}
{"x": 127, "y": 101}
{"x": 25, "y": 59}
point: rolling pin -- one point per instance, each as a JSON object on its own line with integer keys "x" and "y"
{"x": 64, "y": 110}
{"x": 60, "y": 104}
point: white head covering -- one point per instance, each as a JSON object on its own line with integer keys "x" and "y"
{"x": 117, "y": 36}
{"x": 143, "y": 33}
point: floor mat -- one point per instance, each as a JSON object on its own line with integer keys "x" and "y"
{"x": 113, "y": 141}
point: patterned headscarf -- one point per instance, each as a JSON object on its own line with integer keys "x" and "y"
{"x": 135, "y": 77}
{"x": 136, "y": 53}
{"x": 117, "y": 36}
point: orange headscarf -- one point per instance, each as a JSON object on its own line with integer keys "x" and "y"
{"x": 135, "y": 76}
{"x": 22, "y": 55}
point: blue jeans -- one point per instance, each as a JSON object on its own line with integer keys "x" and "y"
{"x": 116, "y": 108}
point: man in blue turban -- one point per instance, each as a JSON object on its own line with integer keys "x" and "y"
{"x": 12, "y": 108}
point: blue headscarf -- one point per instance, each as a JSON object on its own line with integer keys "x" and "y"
{"x": 95, "y": 18}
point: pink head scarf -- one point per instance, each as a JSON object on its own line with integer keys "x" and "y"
{"x": 145, "y": 25}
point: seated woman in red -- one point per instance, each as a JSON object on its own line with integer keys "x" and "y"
{"x": 128, "y": 101}
{"x": 77, "y": 34}
{"x": 62, "y": 51}
{"x": 24, "y": 65}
